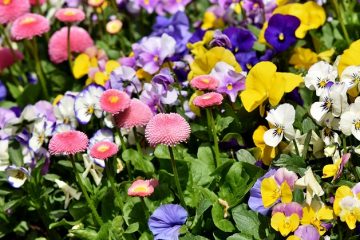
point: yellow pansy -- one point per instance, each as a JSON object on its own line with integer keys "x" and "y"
{"x": 326, "y": 55}
{"x": 263, "y": 82}
{"x": 303, "y": 58}
{"x": 143, "y": 75}
{"x": 82, "y": 64}
{"x": 315, "y": 213}
{"x": 330, "y": 170}
{"x": 204, "y": 63}
{"x": 293, "y": 237}
{"x": 100, "y": 77}
{"x": 198, "y": 48}
{"x": 311, "y": 16}
{"x": 285, "y": 224}
{"x": 350, "y": 57}
{"x": 346, "y": 206}
{"x": 271, "y": 192}
{"x": 211, "y": 21}
{"x": 267, "y": 153}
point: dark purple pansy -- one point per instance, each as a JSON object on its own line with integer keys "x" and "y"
{"x": 166, "y": 221}
{"x": 280, "y": 33}
{"x": 220, "y": 40}
{"x": 242, "y": 40}
{"x": 247, "y": 59}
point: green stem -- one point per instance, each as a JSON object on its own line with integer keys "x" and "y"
{"x": 145, "y": 208}
{"x": 39, "y": 70}
{"x": 123, "y": 148}
{"x": 296, "y": 148}
{"x": 138, "y": 147}
{"x": 341, "y": 20}
{"x": 176, "y": 176}
{"x": 109, "y": 172}
{"x": 97, "y": 218}
{"x": 210, "y": 118}
{"x": 69, "y": 47}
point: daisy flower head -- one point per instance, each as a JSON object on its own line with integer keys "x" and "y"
{"x": 28, "y": 26}
{"x": 142, "y": 188}
{"x": 70, "y": 15}
{"x": 168, "y": 129}
{"x": 114, "y": 26}
{"x": 281, "y": 122}
{"x": 204, "y": 82}
{"x": 136, "y": 115}
{"x": 103, "y": 150}
{"x": 114, "y": 101}
{"x": 68, "y": 143}
{"x": 208, "y": 100}
{"x": 12, "y": 9}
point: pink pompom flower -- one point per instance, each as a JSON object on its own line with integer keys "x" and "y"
{"x": 36, "y": 2}
{"x": 70, "y": 15}
{"x": 12, "y": 9}
{"x": 80, "y": 40}
{"x": 7, "y": 58}
{"x": 136, "y": 115}
{"x": 103, "y": 150}
{"x": 208, "y": 100}
{"x": 167, "y": 128}
{"x": 28, "y": 26}
{"x": 114, "y": 101}
{"x": 68, "y": 143}
{"x": 204, "y": 82}
{"x": 142, "y": 188}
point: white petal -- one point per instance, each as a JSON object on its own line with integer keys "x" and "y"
{"x": 355, "y": 132}
{"x": 317, "y": 111}
{"x": 346, "y": 122}
{"x": 271, "y": 138}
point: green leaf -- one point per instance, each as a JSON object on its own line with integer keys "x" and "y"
{"x": 230, "y": 136}
{"x": 189, "y": 236}
{"x": 132, "y": 228}
{"x": 84, "y": 234}
{"x": 203, "y": 166}
{"x": 245, "y": 218}
{"x": 308, "y": 125}
{"x": 292, "y": 163}
{"x": 239, "y": 236}
{"x": 217, "y": 213}
{"x": 203, "y": 205}
{"x": 15, "y": 154}
{"x": 245, "y": 156}
{"x": 64, "y": 222}
{"x": 104, "y": 231}
{"x": 141, "y": 164}
{"x": 222, "y": 123}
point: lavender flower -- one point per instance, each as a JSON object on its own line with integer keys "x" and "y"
{"x": 166, "y": 221}
{"x": 124, "y": 78}
{"x": 148, "y": 5}
{"x": 164, "y": 78}
{"x": 155, "y": 94}
{"x": 220, "y": 40}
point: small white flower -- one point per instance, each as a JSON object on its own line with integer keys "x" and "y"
{"x": 95, "y": 170}
{"x": 16, "y": 176}
{"x": 41, "y": 131}
{"x": 70, "y": 192}
{"x": 64, "y": 111}
{"x": 309, "y": 182}
{"x": 281, "y": 121}
{"x": 350, "y": 120}
{"x": 332, "y": 100}
{"x": 87, "y": 103}
{"x": 351, "y": 77}
{"x": 319, "y": 75}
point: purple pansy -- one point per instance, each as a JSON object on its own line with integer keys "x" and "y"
{"x": 154, "y": 95}
{"x": 220, "y": 40}
{"x": 280, "y": 33}
{"x": 308, "y": 232}
{"x": 166, "y": 221}
{"x": 124, "y": 78}
{"x": 148, "y": 5}
{"x": 242, "y": 40}
{"x": 164, "y": 78}
{"x": 247, "y": 59}
{"x": 173, "y": 6}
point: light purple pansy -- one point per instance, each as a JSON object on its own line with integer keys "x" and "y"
{"x": 124, "y": 79}
{"x": 288, "y": 209}
{"x": 307, "y": 232}
{"x": 148, "y": 5}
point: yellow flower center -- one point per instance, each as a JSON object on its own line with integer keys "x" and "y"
{"x": 147, "y": 2}
{"x": 156, "y": 58}
{"x": 140, "y": 189}
{"x": 322, "y": 83}
{"x": 248, "y": 66}
{"x": 90, "y": 110}
{"x": 281, "y": 37}
{"x": 229, "y": 87}
{"x": 20, "y": 175}
{"x": 113, "y": 99}
{"x": 279, "y": 130}
{"x": 205, "y": 80}
{"x": 357, "y": 125}
{"x": 6, "y": 2}
{"x": 103, "y": 148}
{"x": 28, "y": 20}
{"x": 69, "y": 12}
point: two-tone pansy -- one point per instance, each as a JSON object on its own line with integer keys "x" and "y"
{"x": 286, "y": 217}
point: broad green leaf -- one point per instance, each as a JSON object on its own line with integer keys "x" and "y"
{"x": 222, "y": 123}
{"x": 244, "y": 156}
{"x": 217, "y": 213}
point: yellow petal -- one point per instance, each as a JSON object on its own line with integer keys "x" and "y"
{"x": 277, "y": 220}
{"x": 192, "y": 106}
{"x": 111, "y": 65}
{"x": 325, "y": 213}
{"x": 286, "y": 194}
{"x": 326, "y": 55}
{"x": 289, "y": 80}
{"x": 269, "y": 192}
{"x": 267, "y": 153}
{"x": 100, "y": 78}
{"x": 350, "y": 57}
{"x": 57, "y": 99}
{"x": 251, "y": 99}
{"x": 341, "y": 192}
{"x": 329, "y": 170}
{"x": 350, "y": 221}
{"x": 81, "y": 65}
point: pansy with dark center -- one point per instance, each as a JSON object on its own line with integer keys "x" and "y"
{"x": 280, "y": 33}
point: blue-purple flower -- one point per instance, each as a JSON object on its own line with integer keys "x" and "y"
{"x": 166, "y": 221}
{"x": 164, "y": 78}
{"x": 124, "y": 79}
{"x": 280, "y": 33}
{"x": 242, "y": 40}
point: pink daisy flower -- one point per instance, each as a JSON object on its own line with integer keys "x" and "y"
{"x": 142, "y": 188}
{"x": 114, "y": 101}
{"x": 7, "y": 58}
{"x": 204, "y": 82}
{"x": 208, "y": 100}
{"x": 68, "y": 143}
{"x": 28, "y": 26}
{"x": 103, "y": 150}
{"x": 80, "y": 40}
{"x": 136, "y": 115}
{"x": 168, "y": 129}
{"x": 35, "y": 2}
{"x": 69, "y": 15}
{"x": 12, "y": 9}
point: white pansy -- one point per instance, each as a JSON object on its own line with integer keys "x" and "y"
{"x": 350, "y": 120}
{"x": 41, "y": 131}
{"x": 319, "y": 75}
{"x": 64, "y": 111}
{"x": 87, "y": 103}
{"x": 4, "y": 154}
{"x": 351, "y": 76}
{"x": 281, "y": 122}
{"x": 95, "y": 170}
{"x": 309, "y": 182}
{"x": 17, "y": 176}
{"x": 70, "y": 192}
{"x": 332, "y": 100}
